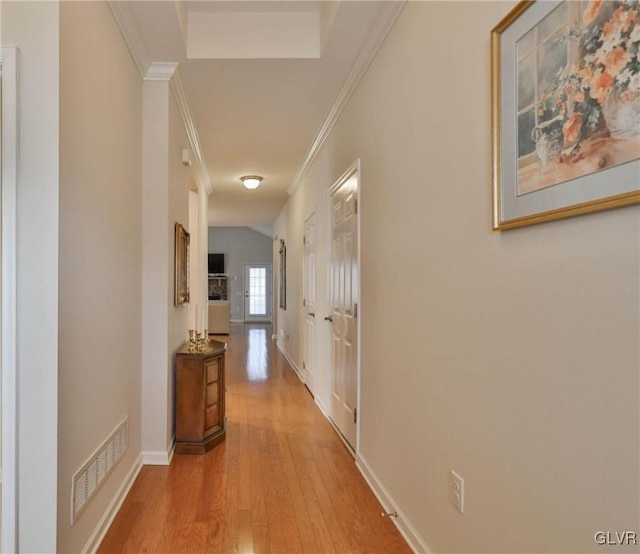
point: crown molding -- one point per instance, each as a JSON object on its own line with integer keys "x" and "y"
{"x": 129, "y": 29}
{"x": 384, "y": 23}
{"x": 192, "y": 133}
{"x": 160, "y": 71}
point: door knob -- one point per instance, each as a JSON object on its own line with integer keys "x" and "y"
{"x": 329, "y": 318}
{"x": 312, "y": 314}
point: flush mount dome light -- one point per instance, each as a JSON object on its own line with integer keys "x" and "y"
{"x": 251, "y": 181}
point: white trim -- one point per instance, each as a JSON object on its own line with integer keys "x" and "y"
{"x": 293, "y": 365}
{"x": 384, "y": 23}
{"x": 113, "y": 508}
{"x": 353, "y": 168}
{"x": 190, "y": 128}
{"x": 10, "y": 152}
{"x": 158, "y": 457}
{"x": 124, "y": 18}
{"x": 402, "y": 523}
{"x": 321, "y": 406}
{"x": 160, "y": 71}
{"x": 236, "y": 321}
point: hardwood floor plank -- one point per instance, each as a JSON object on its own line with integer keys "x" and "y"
{"x": 281, "y": 482}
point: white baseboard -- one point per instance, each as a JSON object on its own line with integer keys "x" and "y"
{"x": 296, "y": 369}
{"x": 322, "y": 407}
{"x": 236, "y": 321}
{"x": 158, "y": 458}
{"x": 408, "y": 531}
{"x": 113, "y": 508}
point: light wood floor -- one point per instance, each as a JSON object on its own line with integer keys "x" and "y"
{"x": 281, "y": 482}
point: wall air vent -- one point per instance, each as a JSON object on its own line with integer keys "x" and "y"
{"x": 87, "y": 480}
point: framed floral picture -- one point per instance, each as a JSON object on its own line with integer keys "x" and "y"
{"x": 565, "y": 110}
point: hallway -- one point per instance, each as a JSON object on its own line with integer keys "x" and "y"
{"x": 281, "y": 482}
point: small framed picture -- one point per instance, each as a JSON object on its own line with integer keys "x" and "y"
{"x": 181, "y": 266}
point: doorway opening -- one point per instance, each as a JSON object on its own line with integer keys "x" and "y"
{"x": 257, "y": 293}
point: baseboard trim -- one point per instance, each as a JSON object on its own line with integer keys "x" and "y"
{"x": 236, "y": 321}
{"x": 96, "y": 538}
{"x": 408, "y": 531}
{"x": 158, "y": 458}
{"x": 293, "y": 365}
{"x": 321, "y": 406}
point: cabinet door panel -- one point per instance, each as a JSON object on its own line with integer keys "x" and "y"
{"x": 212, "y": 419}
{"x": 213, "y": 370}
{"x": 212, "y": 393}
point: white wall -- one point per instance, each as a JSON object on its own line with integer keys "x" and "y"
{"x": 165, "y": 203}
{"x": 194, "y": 265}
{"x": 179, "y": 178}
{"x": 34, "y": 28}
{"x": 100, "y": 310}
{"x": 510, "y": 357}
{"x": 240, "y": 245}
{"x": 157, "y": 253}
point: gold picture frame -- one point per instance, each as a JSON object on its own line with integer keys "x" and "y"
{"x": 282, "y": 270}
{"x": 181, "y": 285}
{"x": 554, "y": 150}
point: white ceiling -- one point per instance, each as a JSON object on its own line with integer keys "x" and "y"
{"x": 266, "y": 78}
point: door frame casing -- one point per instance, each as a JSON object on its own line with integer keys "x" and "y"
{"x": 9, "y": 61}
{"x": 354, "y": 169}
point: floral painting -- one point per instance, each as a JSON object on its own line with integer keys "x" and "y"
{"x": 578, "y": 92}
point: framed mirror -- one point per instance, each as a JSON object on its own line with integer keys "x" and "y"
{"x": 282, "y": 272}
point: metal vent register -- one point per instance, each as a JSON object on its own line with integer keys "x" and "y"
{"x": 92, "y": 474}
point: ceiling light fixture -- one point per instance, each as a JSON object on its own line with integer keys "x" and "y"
{"x": 251, "y": 181}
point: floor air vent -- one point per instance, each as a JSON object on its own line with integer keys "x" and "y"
{"x": 91, "y": 475}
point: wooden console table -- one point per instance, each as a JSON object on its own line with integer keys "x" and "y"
{"x": 200, "y": 388}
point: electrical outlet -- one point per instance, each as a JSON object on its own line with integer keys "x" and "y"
{"x": 456, "y": 491}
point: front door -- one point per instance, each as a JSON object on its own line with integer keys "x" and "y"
{"x": 344, "y": 300}
{"x": 257, "y": 293}
{"x": 309, "y": 302}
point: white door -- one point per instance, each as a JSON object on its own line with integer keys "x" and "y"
{"x": 309, "y": 302}
{"x": 344, "y": 301}
{"x": 257, "y": 292}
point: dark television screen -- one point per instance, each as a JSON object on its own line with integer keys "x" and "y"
{"x": 216, "y": 263}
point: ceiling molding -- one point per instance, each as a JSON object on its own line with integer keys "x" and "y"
{"x": 129, "y": 29}
{"x": 163, "y": 71}
{"x": 384, "y": 23}
{"x": 192, "y": 133}
{"x": 160, "y": 71}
